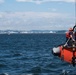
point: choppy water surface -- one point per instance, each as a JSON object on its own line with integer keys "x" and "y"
{"x": 23, "y": 54}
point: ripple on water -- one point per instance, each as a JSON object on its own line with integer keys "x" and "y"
{"x": 31, "y": 54}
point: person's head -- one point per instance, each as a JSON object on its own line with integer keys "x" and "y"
{"x": 70, "y": 29}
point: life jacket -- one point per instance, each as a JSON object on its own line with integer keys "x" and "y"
{"x": 70, "y": 33}
{"x": 67, "y": 35}
{"x": 73, "y": 35}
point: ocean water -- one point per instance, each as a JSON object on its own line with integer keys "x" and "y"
{"x": 30, "y": 54}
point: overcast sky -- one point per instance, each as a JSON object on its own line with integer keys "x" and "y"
{"x": 37, "y": 14}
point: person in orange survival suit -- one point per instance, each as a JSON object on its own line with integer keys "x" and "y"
{"x": 74, "y": 29}
{"x": 70, "y": 37}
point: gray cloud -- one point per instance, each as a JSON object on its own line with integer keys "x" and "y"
{"x": 35, "y": 20}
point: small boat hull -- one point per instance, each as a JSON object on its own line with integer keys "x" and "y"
{"x": 67, "y": 54}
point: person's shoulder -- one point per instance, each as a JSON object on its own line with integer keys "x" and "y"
{"x": 67, "y": 33}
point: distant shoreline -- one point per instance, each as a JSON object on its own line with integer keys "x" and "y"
{"x": 33, "y": 32}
